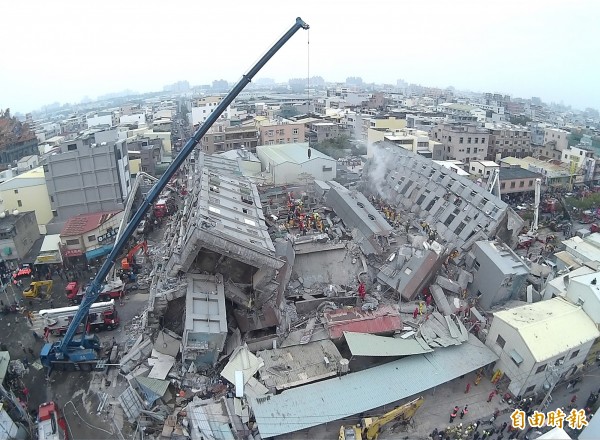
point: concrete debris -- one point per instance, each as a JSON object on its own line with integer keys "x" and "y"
{"x": 440, "y": 299}
{"x": 161, "y": 364}
{"x": 447, "y": 284}
{"x": 167, "y": 342}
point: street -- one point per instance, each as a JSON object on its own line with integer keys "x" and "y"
{"x": 76, "y": 393}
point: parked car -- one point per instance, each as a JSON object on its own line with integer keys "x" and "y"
{"x": 141, "y": 227}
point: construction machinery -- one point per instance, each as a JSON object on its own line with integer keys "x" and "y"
{"x": 114, "y": 289}
{"x": 102, "y": 316}
{"x": 129, "y": 262}
{"x": 493, "y": 183}
{"x": 370, "y": 428}
{"x": 39, "y": 288}
{"x": 84, "y": 353}
{"x": 51, "y": 425}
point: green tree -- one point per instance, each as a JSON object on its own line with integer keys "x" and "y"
{"x": 335, "y": 147}
{"x": 519, "y": 120}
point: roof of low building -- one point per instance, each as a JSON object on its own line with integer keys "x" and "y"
{"x": 333, "y": 399}
{"x": 550, "y": 327}
{"x": 32, "y": 177}
{"x": 294, "y": 153}
{"x": 80, "y": 224}
{"x": 512, "y": 173}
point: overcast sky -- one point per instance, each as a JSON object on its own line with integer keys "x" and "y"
{"x": 66, "y": 50}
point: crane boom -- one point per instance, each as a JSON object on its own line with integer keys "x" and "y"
{"x": 60, "y": 349}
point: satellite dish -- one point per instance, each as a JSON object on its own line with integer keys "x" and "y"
{"x": 16, "y": 212}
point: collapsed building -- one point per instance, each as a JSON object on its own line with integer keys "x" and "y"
{"x": 265, "y": 287}
{"x": 453, "y": 211}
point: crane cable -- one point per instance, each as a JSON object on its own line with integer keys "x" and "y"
{"x": 308, "y": 68}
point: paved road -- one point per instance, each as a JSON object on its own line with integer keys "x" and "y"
{"x": 74, "y": 392}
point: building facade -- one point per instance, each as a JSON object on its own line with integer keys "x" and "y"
{"x": 540, "y": 344}
{"x": 508, "y": 140}
{"x": 282, "y": 134}
{"x": 516, "y": 180}
{"x": 18, "y": 232}
{"x": 203, "y": 107}
{"x": 221, "y": 138}
{"x": 90, "y": 235}
{"x": 461, "y": 142}
{"x": 498, "y": 273}
{"x": 28, "y": 192}
{"x": 555, "y": 141}
{"x": 109, "y": 119}
{"x": 288, "y": 163}
{"x": 87, "y": 179}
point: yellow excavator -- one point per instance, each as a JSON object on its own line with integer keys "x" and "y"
{"x": 370, "y": 428}
{"x": 36, "y": 288}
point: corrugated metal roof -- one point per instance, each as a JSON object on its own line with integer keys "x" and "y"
{"x": 294, "y": 153}
{"x": 385, "y": 319}
{"x": 550, "y": 327}
{"x": 153, "y": 388}
{"x": 364, "y": 344}
{"x": 333, "y": 399}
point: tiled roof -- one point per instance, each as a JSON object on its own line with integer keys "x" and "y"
{"x": 80, "y": 224}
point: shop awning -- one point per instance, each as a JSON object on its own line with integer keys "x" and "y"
{"x": 98, "y": 252}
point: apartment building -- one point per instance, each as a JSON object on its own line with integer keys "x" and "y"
{"x": 108, "y": 118}
{"x": 461, "y": 142}
{"x": 321, "y": 131}
{"x": 508, "y": 140}
{"x": 416, "y": 141}
{"x": 27, "y": 192}
{"x": 555, "y": 141}
{"x": 203, "y": 107}
{"x": 272, "y": 134}
{"x": 576, "y": 156}
{"x": 223, "y": 138}
{"x": 390, "y": 123}
{"x": 18, "y": 232}
{"x": 462, "y": 112}
{"x": 87, "y": 178}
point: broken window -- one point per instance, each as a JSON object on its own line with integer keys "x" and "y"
{"x": 247, "y": 200}
{"x": 449, "y": 219}
{"x": 460, "y": 228}
{"x": 431, "y": 203}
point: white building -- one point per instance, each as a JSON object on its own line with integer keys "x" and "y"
{"x": 535, "y": 341}
{"x": 585, "y": 291}
{"x": 482, "y": 167}
{"x": 203, "y": 107}
{"x": 137, "y": 118}
{"x": 284, "y": 163}
{"x": 102, "y": 118}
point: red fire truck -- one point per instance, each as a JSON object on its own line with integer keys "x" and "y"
{"x": 102, "y": 316}
{"x": 112, "y": 290}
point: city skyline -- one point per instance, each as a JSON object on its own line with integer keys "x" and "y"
{"x": 523, "y": 49}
